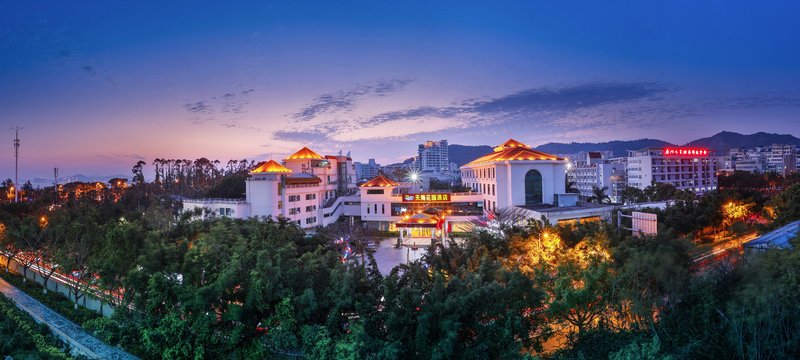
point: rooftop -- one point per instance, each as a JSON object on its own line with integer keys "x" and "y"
{"x": 305, "y": 153}
{"x": 380, "y": 181}
{"x": 271, "y": 166}
{"x": 512, "y": 150}
{"x": 776, "y": 239}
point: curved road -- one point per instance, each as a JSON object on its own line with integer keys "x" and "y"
{"x": 68, "y": 331}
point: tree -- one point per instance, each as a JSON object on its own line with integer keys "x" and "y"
{"x": 29, "y": 235}
{"x": 80, "y": 245}
{"x": 599, "y": 195}
{"x": 632, "y": 195}
{"x": 787, "y": 205}
{"x": 138, "y": 174}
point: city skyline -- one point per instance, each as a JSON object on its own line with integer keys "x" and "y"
{"x": 96, "y": 90}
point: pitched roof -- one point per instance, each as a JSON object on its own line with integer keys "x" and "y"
{"x": 271, "y": 167}
{"x": 509, "y": 144}
{"x": 380, "y": 181}
{"x": 305, "y": 153}
{"x": 512, "y": 150}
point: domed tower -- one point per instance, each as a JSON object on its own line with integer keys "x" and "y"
{"x": 265, "y": 191}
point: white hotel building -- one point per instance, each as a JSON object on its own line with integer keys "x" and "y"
{"x": 313, "y": 190}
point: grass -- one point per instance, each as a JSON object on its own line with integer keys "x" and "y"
{"x": 54, "y": 300}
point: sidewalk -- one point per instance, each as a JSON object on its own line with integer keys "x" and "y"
{"x": 79, "y": 340}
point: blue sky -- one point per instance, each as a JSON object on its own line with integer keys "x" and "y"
{"x": 99, "y": 85}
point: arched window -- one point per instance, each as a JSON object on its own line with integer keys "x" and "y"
{"x": 533, "y": 188}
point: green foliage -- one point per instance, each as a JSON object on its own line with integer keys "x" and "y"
{"x": 22, "y": 337}
{"x": 787, "y": 205}
{"x": 641, "y": 351}
{"x": 53, "y": 300}
{"x": 239, "y": 289}
{"x": 230, "y": 187}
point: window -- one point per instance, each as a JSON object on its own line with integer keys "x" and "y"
{"x": 280, "y": 204}
{"x": 311, "y": 220}
{"x": 294, "y": 211}
{"x": 367, "y": 208}
{"x": 294, "y": 198}
{"x": 311, "y": 196}
{"x": 375, "y": 192}
{"x": 383, "y": 208}
{"x": 533, "y": 188}
{"x": 311, "y": 208}
{"x": 493, "y": 189}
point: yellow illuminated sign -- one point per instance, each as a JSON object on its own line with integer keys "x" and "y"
{"x": 434, "y": 197}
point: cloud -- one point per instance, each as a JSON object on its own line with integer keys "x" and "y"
{"x": 225, "y": 110}
{"x": 121, "y": 158}
{"x": 600, "y": 107}
{"x": 540, "y": 104}
{"x": 345, "y": 100}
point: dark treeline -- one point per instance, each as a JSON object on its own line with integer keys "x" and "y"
{"x": 262, "y": 288}
{"x": 201, "y": 177}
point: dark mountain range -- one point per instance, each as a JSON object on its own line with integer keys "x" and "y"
{"x": 721, "y": 142}
{"x": 462, "y": 154}
{"x": 726, "y": 140}
{"x": 620, "y": 148}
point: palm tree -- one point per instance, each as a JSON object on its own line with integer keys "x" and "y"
{"x": 599, "y": 195}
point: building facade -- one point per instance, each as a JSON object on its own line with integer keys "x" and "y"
{"x": 312, "y": 190}
{"x": 305, "y": 189}
{"x": 433, "y": 156}
{"x": 596, "y": 170}
{"x": 368, "y": 170}
{"x": 691, "y": 169}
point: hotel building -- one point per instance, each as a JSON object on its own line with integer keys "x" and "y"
{"x": 685, "y": 168}
{"x": 597, "y": 171}
{"x": 313, "y": 190}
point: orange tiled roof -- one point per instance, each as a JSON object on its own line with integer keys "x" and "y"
{"x": 271, "y": 167}
{"x": 305, "y": 153}
{"x": 380, "y": 181}
{"x": 512, "y": 150}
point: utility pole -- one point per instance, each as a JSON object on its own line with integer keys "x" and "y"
{"x": 16, "y": 163}
{"x": 55, "y": 185}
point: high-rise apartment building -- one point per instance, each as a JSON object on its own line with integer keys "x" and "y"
{"x": 432, "y": 156}
{"x": 367, "y": 170}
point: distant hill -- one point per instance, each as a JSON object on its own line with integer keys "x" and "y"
{"x": 462, "y": 154}
{"x": 44, "y": 182}
{"x": 724, "y": 141}
{"x": 619, "y": 148}
{"x": 721, "y": 142}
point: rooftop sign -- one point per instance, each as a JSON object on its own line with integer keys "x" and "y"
{"x": 685, "y": 152}
{"x": 425, "y": 198}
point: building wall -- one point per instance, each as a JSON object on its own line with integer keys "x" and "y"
{"x": 433, "y": 156}
{"x": 263, "y": 194}
{"x": 696, "y": 172}
{"x": 502, "y": 184}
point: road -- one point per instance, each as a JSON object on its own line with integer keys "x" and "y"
{"x": 68, "y": 331}
{"x": 721, "y": 250}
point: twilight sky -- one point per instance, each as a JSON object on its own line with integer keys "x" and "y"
{"x": 99, "y": 85}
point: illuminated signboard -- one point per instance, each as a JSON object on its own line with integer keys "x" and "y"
{"x": 685, "y": 152}
{"x": 416, "y": 198}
